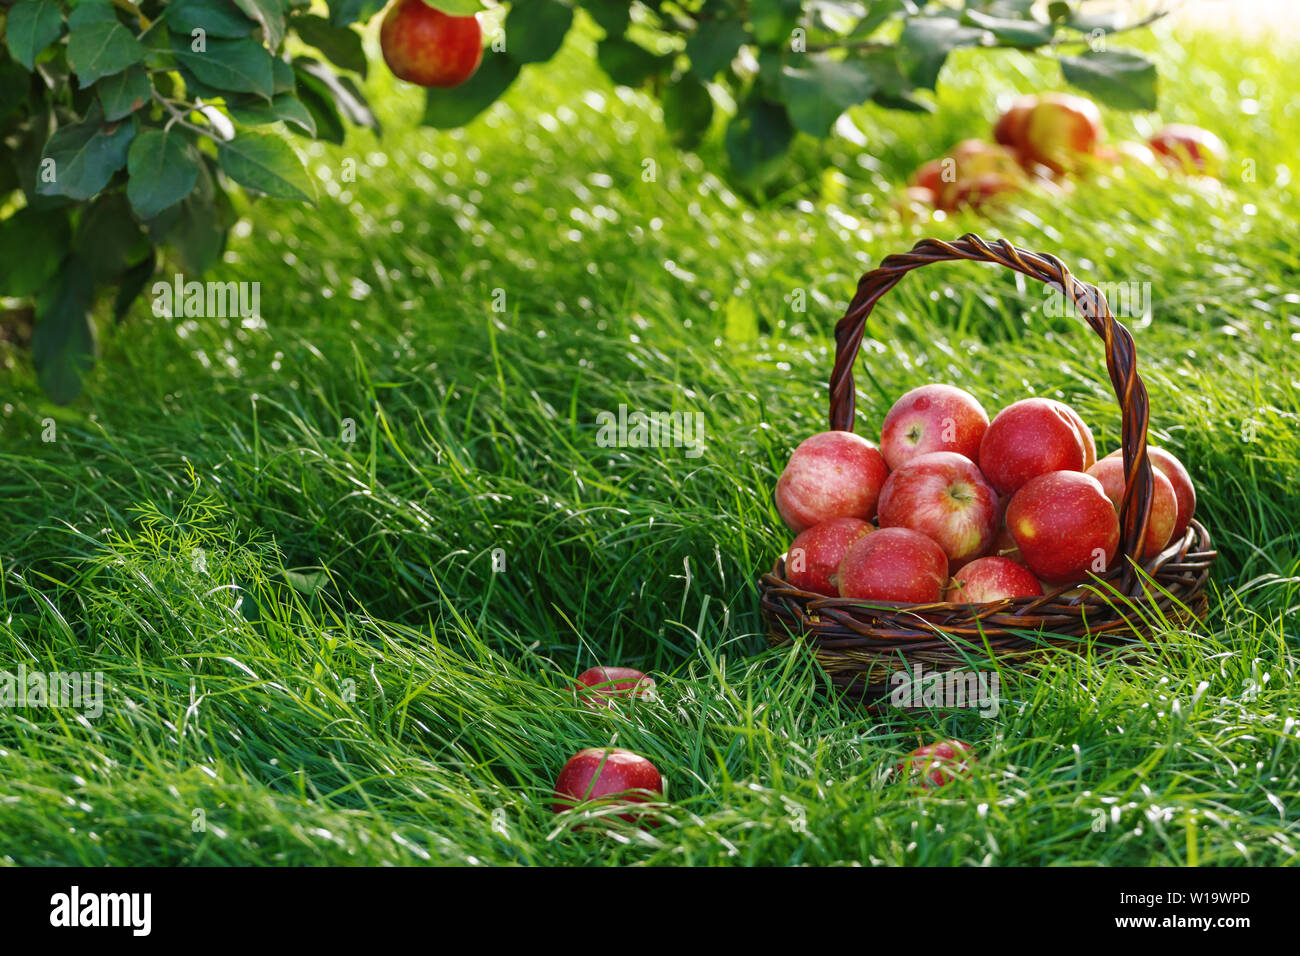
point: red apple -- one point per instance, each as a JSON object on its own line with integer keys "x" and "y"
{"x": 1059, "y": 130}
{"x": 1033, "y": 437}
{"x": 938, "y": 763}
{"x": 607, "y": 682}
{"x": 1004, "y": 546}
{"x": 929, "y": 175}
{"x": 815, "y": 555}
{"x": 893, "y": 564}
{"x": 979, "y": 170}
{"x": 1064, "y": 525}
{"x": 426, "y": 46}
{"x": 830, "y": 475}
{"x": 944, "y": 497}
{"x": 1184, "y": 490}
{"x": 1189, "y": 148}
{"x": 992, "y": 579}
{"x": 598, "y": 773}
{"x": 1164, "y": 504}
{"x": 933, "y": 418}
{"x": 1009, "y": 130}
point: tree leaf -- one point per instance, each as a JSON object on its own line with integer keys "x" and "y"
{"x": 340, "y": 46}
{"x": 347, "y": 98}
{"x": 283, "y": 108}
{"x": 713, "y": 46}
{"x": 612, "y": 16}
{"x": 1019, "y": 32}
{"x": 449, "y": 109}
{"x": 266, "y": 163}
{"x": 32, "y": 26}
{"x": 343, "y": 12}
{"x": 195, "y": 229}
{"x": 1118, "y": 78}
{"x": 688, "y": 110}
{"x": 240, "y": 66}
{"x": 758, "y": 139}
{"x": 316, "y": 97}
{"x": 626, "y": 63}
{"x": 774, "y": 20}
{"x": 108, "y": 238}
{"x": 458, "y": 8}
{"x": 268, "y": 13}
{"x": 163, "y": 167}
{"x": 133, "y": 282}
{"x": 817, "y": 92}
{"x": 217, "y": 18}
{"x": 85, "y": 156}
{"x": 123, "y": 93}
{"x": 925, "y": 44}
{"x": 63, "y": 340}
{"x": 536, "y": 30}
{"x": 97, "y": 44}
{"x": 32, "y": 244}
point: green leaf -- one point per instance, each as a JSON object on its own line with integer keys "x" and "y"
{"x": 282, "y": 79}
{"x": 774, "y": 20}
{"x": 458, "y": 8}
{"x": 267, "y": 164}
{"x": 612, "y": 16}
{"x": 163, "y": 167}
{"x": 877, "y": 14}
{"x": 535, "y": 30}
{"x": 284, "y": 108}
{"x": 97, "y": 44}
{"x": 343, "y": 12}
{"x": 217, "y": 18}
{"x": 63, "y": 340}
{"x": 1025, "y": 32}
{"x": 926, "y": 43}
{"x": 240, "y": 66}
{"x": 270, "y": 15}
{"x": 816, "y": 94}
{"x": 108, "y": 238}
{"x": 133, "y": 282}
{"x": 32, "y": 26}
{"x": 758, "y": 139}
{"x": 688, "y": 110}
{"x": 123, "y": 93}
{"x": 319, "y": 102}
{"x": 341, "y": 46}
{"x": 196, "y": 228}
{"x": 713, "y": 46}
{"x": 349, "y": 100}
{"x": 1118, "y": 78}
{"x": 32, "y": 244}
{"x": 84, "y": 157}
{"x": 449, "y": 109}
{"x": 627, "y": 63}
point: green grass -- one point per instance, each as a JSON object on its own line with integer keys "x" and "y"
{"x": 309, "y": 659}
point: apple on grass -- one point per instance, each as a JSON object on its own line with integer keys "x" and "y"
{"x": 428, "y": 47}
{"x": 943, "y": 496}
{"x": 815, "y": 555}
{"x": 1055, "y": 131}
{"x": 609, "y": 682}
{"x": 1164, "y": 504}
{"x": 834, "y": 474}
{"x": 893, "y": 564}
{"x": 938, "y": 763}
{"x": 992, "y": 579}
{"x": 933, "y": 418}
{"x": 610, "y": 775}
{"x": 1165, "y": 463}
{"x": 1065, "y": 526}
{"x": 1032, "y": 437}
{"x": 1189, "y": 148}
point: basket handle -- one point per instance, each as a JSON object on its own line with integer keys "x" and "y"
{"x": 1121, "y": 362}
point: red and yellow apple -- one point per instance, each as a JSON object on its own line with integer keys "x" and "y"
{"x": 1064, "y": 525}
{"x": 1189, "y": 148}
{"x": 991, "y": 579}
{"x": 815, "y": 555}
{"x": 1164, "y": 505}
{"x": 944, "y": 496}
{"x": 1184, "y": 490}
{"x": 1053, "y": 130}
{"x": 607, "y": 682}
{"x": 833, "y": 474}
{"x": 428, "y": 47}
{"x": 938, "y": 763}
{"x": 893, "y": 564}
{"x": 1033, "y": 437}
{"x": 933, "y": 418}
{"x": 609, "y": 775}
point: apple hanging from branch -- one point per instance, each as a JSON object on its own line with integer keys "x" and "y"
{"x": 430, "y": 48}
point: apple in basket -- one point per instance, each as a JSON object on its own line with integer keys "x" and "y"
{"x": 1164, "y": 505}
{"x": 1165, "y": 463}
{"x": 991, "y": 579}
{"x": 1064, "y": 525}
{"x": 609, "y": 775}
{"x": 894, "y": 564}
{"x": 1032, "y": 437}
{"x": 815, "y": 555}
{"x": 938, "y": 763}
{"x": 944, "y": 497}
{"x": 933, "y": 418}
{"x": 833, "y": 474}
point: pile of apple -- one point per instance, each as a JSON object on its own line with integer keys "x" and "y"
{"x": 1043, "y": 140}
{"x": 965, "y": 510}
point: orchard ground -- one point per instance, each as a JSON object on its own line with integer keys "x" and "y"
{"x": 337, "y": 567}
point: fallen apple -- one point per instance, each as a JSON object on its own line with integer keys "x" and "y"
{"x": 943, "y": 496}
{"x": 937, "y": 764}
{"x": 609, "y": 775}
{"x": 833, "y": 474}
{"x": 815, "y": 555}
{"x": 893, "y": 564}
{"x": 991, "y": 579}
{"x": 933, "y": 418}
{"x": 428, "y": 47}
{"x": 1059, "y": 131}
{"x": 1189, "y": 148}
{"x": 1184, "y": 490}
{"x": 1032, "y": 437}
{"x": 608, "y": 682}
{"x": 1164, "y": 504}
{"x": 1064, "y": 525}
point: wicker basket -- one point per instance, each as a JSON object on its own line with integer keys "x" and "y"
{"x": 860, "y": 643}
